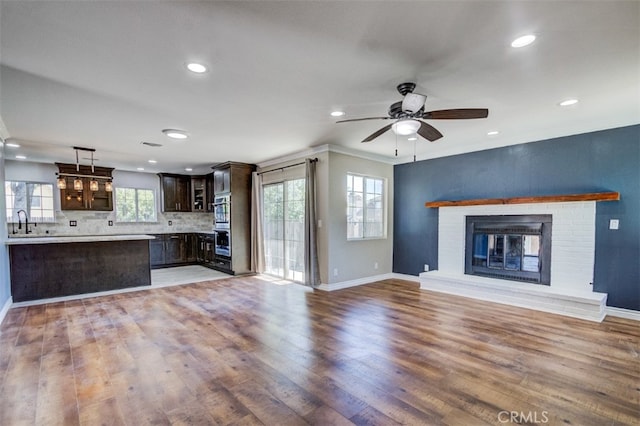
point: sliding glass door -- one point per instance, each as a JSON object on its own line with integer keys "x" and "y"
{"x": 283, "y": 221}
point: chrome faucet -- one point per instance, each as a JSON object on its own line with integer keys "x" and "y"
{"x": 26, "y": 221}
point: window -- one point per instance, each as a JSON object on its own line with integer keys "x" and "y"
{"x": 365, "y": 207}
{"x": 36, "y": 199}
{"x": 135, "y": 205}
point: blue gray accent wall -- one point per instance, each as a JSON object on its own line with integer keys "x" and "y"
{"x": 607, "y": 160}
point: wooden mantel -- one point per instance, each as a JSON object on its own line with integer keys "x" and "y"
{"x": 594, "y": 196}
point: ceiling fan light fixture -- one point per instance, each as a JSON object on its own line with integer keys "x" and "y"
{"x": 405, "y": 127}
{"x": 413, "y": 102}
{"x": 175, "y": 134}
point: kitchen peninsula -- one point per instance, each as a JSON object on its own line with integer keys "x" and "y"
{"x": 47, "y": 267}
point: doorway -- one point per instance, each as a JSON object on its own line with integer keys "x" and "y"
{"x": 283, "y": 221}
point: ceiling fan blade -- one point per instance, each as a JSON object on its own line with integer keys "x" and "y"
{"x": 461, "y": 113}
{"x": 429, "y": 132}
{"x": 378, "y": 133}
{"x": 362, "y": 119}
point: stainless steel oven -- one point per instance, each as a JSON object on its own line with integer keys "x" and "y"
{"x": 221, "y": 211}
{"x": 222, "y": 243}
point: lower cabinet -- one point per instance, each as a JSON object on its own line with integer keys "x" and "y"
{"x": 168, "y": 250}
{"x": 172, "y": 250}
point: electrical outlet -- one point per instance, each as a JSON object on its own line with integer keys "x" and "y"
{"x": 426, "y": 267}
{"x": 170, "y": 223}
{"x": 110, "y": 223}
{"x": 614, "y": 224}
{"x": 73, "y": 223}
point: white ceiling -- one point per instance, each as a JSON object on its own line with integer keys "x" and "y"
{"x": 110, "y": 74}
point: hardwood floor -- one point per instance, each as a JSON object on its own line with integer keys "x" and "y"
{"x": 248, "y": 351}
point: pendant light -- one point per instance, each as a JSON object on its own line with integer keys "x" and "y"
{"x": 77, "y": 184}
{"x": 62, "y": 182}
{"x": 93, "y": 185}
{"x": 108, "y": 186}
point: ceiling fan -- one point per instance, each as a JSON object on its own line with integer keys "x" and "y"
{"x": 408, "y": 112}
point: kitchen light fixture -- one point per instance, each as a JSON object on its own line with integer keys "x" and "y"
{"x": 140, "y": 169}
{"x": 188, "y": 169}
{"x": 196, "y": 67}
{"x": 492, "y": 133}
{"x": 568, "y": 102}
{"x": 175, "y": 134}
{"x": 62, "y": 183}
{"x": 152, "y": 161}
{"x": 405, "y": 127}
{"x": 523, "y": 41}
{"x": 12, "y": 145}
{"x": 108, "y": 186}
{"x": 337, "y": 113}
{"x": 77, "y": 184}
{"x": 21, "y": 157}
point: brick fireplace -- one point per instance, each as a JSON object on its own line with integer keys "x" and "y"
{"x": 572, "y": 251}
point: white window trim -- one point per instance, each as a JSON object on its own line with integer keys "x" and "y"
{"x": 385, "y": 215}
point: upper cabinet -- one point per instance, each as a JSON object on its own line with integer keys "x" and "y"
{"x": 222, "y": 178}
{"x": 87, "y": 198}
{"x": 175, "y": 191}
{"x": 202, "y": 193}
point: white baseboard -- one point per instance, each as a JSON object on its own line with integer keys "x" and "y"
{"x": 5, "y": 308}
{"x": 366, "y": 280}
{"x": 623, "y": 313}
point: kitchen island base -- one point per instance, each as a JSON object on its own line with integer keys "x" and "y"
{"x": 41, "y": 271}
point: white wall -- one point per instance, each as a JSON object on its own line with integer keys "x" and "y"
{"x": 354, "y": 259}
{"x": 5, "y": 281}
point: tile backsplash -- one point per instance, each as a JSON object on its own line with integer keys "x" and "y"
{"x": 97, "y": 223}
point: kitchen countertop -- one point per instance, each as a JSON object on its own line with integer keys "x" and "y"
{"x": 76, "y": 239}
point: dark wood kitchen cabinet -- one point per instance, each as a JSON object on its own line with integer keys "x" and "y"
{"x": 85, "y": 199}
{"x": 202, "y": 193}
{"x": 234, "y": 179}
{"x": 175, "y": 191}
{"x": 172, "y": 250}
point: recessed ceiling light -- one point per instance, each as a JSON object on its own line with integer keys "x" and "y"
{"x": 492, "y": 133}
{"x": 523, "y": 41}
{"x": 197, "y": 68}
{"x": 141, "y": 168}
{"x": 21, "y": 157}
{"x": 337, "y": 113}
{"x": 568, "y": 102}
{"x": 175, "y": 134}
{"x": 188, "y": 169}
{"x": 152, "y": 161}
{"x": 12, "y": 145}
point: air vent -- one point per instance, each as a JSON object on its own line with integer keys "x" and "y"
{"x": 151, "y": 144}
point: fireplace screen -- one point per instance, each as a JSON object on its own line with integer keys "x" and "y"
{"x": 509, "y": 247}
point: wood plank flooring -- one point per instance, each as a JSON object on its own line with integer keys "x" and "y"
{"x": 247, "y": 351}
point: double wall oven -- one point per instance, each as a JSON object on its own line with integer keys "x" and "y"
{"x": 221, "y": 225}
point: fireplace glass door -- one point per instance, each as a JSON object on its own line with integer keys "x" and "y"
{"x": 508, "y": 247}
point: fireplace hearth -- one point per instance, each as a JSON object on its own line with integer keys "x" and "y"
{"x": 509, "y": 247}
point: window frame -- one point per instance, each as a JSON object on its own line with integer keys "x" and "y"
{"x": 136, "y": 204}
{"x": 38, "y": 219}
{"x": 384, "y": 209}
